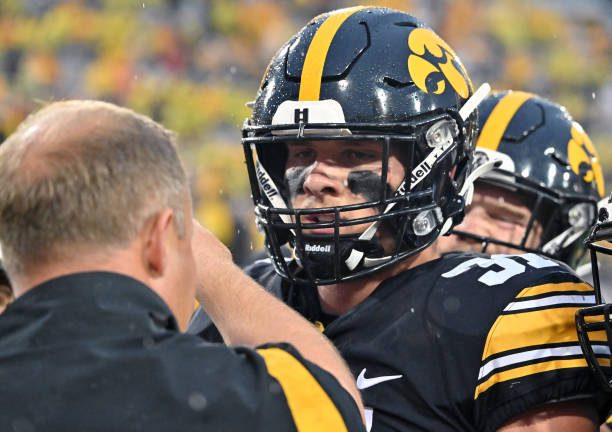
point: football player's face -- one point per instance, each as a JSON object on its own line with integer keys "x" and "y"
{"x": 495, "y": 213}
{"x": 338, "y": 173}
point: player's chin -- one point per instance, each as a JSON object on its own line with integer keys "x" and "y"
{"x": 494, "y": 249}
{"x": 476, "y": 247}
{"x": 456, "y": 244}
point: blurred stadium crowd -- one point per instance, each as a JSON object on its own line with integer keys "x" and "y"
{"x": 193, "y": 64}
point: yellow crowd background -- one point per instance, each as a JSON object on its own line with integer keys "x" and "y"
{"x": 193, "y": 64}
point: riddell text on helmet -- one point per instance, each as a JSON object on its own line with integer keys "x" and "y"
{"x": 317, "y": 248}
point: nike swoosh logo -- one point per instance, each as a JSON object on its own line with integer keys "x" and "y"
{"x": 364, "y": 383}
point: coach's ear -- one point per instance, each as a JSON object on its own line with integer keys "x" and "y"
{"x": 154, "y": 237}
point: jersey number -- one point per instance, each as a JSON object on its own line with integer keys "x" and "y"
{"x": 510, "y": 266}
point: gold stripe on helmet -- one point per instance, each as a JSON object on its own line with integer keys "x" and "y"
{"x": 493, "y": 130}
{"x": 312, "y": 71}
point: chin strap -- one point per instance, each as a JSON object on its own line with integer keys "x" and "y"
{"x": 269, "y": 187}
{"x": 564, "y": 239}
{"x": 466, "y": 110}
{"x": 467, "y": 191}
{"x": 472, "y": 103}
{"x": 580, "y": 218}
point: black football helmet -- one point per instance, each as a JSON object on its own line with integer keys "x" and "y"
{"x": 549, "y": 161}
{"x": 362, "y": 73}
{"x": 594, "y": 323}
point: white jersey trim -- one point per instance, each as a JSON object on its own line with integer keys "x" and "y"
{"x": 539, "y": 354}
{"x": 550, "y": 301}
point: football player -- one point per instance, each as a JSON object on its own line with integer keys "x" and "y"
{"x": 595, "y": 323}
{"x": 543, "y": 196}
{"x": 359, "y": 154}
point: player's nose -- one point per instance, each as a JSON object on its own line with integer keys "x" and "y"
{"x": 323, "y": 179}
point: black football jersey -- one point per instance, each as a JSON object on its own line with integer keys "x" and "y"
{"x": 461, "y": 343}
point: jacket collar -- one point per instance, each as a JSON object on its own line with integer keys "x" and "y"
{"x": 85, "y": 300}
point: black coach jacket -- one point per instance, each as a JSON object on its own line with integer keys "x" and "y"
{"x": 102, "y": 352}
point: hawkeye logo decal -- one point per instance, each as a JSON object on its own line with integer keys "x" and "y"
{"x": 432, "y": 57}
{"x": 583, "y": 158}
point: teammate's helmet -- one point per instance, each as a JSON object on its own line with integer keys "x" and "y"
{"x": 362, "y": 73}
{"x": 549, "y": 161}
{"x": 595, "y": 323}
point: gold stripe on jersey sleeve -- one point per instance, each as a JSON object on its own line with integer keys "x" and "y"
{"x": 534, "y": 328}
{"x": 531, "y": 369}
{"x": 312, "y": 71}
{"x": 311, "y": 407}
{"x": 546, "y": 326}
{"x": 553, "y": 288}
{"x": 499, "y": 119}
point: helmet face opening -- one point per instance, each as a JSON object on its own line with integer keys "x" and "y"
{"x": 557, "y": 224}
{"x": 355, "y": 79}
{"x": 374, "y": 202}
